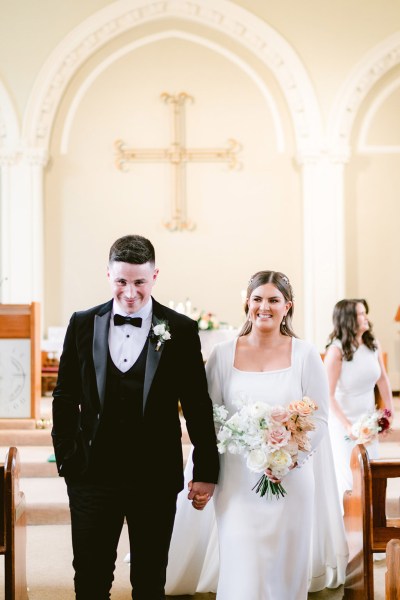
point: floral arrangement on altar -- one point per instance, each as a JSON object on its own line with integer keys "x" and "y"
{"x": 269, "y": 437}
{"x": 370, "y": 425}
{"x": 206, "y": 320}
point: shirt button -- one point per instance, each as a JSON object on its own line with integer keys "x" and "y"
{"x": 125, "y": 359}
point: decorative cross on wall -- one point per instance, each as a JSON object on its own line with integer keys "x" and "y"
{"x": 177, "y": 155}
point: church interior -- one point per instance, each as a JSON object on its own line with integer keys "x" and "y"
{"x": 236, "y": 135}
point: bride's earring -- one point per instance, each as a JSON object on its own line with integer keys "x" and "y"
{"x": 284, "y": 321}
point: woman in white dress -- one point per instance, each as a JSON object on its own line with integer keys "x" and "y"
{"x": 354, "y": 365}
{"x": 269, "y": 549}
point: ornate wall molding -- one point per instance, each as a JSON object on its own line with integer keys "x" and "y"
{"x": 8, "y": 158}
{"x": 35, "y": 157}
{"x": 363, "y": 77}
{"x": 363, "y": 147}
{"x": 220, "y": 15}
{"x": 9, "y": 126}
{"x": 30, "y": 156}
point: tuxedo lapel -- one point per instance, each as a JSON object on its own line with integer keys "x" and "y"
{"x": 153, "y": 356}
{"x": 100, "y": 349}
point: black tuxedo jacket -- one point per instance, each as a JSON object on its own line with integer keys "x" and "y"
{"x": 174, "y": 373}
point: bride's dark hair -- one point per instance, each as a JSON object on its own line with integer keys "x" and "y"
{"x": 282, "y": 283}
{"x": 345, "y": 327}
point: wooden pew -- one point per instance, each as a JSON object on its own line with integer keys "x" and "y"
{"x": 392, "y": 575}
{"x": 368, "y": 528}
{"x": 13, "y": 528}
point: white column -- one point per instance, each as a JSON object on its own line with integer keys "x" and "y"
{"x": 7, "y": 163}
{"x": 22, "y": 238}
{"x": 323, "y": 241}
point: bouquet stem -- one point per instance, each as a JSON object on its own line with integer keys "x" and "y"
{"x": 266, "y": 487}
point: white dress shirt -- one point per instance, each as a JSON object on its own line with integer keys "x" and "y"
{"x": 126, "y": 341}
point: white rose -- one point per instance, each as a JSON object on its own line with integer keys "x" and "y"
{"x": 167, "y": 335}
{"x": 257, "y": 461}
{"x": 159, "y": 329}
{"x": 279, "y": 462}
{"x": 203, "y": 324}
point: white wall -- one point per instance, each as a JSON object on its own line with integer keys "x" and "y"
{"x": 246, "y": 219}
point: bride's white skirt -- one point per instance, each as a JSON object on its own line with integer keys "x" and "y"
{"x": 194, "y": 556}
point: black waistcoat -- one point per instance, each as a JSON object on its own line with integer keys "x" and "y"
{"x": 117, "y": 447}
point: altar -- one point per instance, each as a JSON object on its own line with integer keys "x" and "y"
{"x": 211, "y": 337}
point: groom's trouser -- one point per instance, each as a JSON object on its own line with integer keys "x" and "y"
{"x": 97, "y": 517}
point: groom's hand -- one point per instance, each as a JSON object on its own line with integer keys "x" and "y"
{"x": 200, "y": 493}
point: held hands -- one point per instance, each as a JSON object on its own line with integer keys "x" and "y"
{"x": 200, "y": 493}
{"x": 274, "y": 479}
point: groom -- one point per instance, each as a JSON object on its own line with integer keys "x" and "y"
{"x": 116, "y": 427}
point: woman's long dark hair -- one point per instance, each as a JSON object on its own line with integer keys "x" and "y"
{"x": 345, "y": 327}
{"x": 282, "y": 283}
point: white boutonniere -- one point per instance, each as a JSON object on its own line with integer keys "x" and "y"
{"x": 161, "y": 333}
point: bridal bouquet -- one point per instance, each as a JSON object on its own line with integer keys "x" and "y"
{"x": 269, "y": 437}
{"x": 370, "y": 425}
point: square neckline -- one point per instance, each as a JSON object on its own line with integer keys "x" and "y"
{"x": 262, "y": 372}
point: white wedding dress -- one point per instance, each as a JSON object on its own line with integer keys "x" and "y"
{"x": 265, "y": 549}
{"x": 355, "y": 396}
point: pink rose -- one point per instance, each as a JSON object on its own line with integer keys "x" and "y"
{"x": 279, "y": 414}
{"x": 278, "y": 437}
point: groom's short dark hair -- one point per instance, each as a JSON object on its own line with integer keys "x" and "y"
{"x": 133, "y": 249}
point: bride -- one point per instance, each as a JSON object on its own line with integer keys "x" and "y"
{"x": 243, "y": 545}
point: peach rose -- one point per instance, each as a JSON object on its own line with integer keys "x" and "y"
{"x": 302, "y": 441}
{"x": 304, "y": 424}
{"x": 303, "y": 407}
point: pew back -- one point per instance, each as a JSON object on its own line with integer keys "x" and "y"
{"x": 368, "y": 528}
{"x": 13, "y": 528}
{"x": 392, "y": 579}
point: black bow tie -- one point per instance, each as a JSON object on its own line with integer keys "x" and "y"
{"x": 120, "y": 320}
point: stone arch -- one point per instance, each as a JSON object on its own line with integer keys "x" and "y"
{"x": 221, "y": 15}
{"x": 177, "y": 35}
{"x": 363, "y": 77}
{"x": 9, "y": 125}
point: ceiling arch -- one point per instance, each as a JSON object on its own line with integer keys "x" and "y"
{"x": 363, "y": 77}
{"x": 221, "y": 15}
